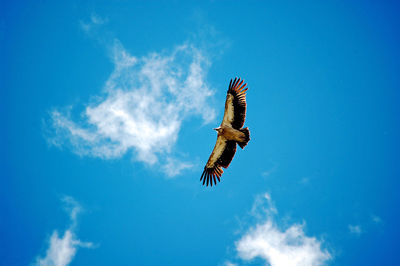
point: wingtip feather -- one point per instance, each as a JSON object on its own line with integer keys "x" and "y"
{"x": 211, "y": 175}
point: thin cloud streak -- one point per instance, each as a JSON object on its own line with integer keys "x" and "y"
{"x": 174, "y": 167}
{"x": 355, "y": 229}
{"x": 146, "y": 101}
{"x": 376, "y": 219}
{"x": 95, "y": 20}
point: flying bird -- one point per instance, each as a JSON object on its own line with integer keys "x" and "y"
{"x": 230, "y": 132}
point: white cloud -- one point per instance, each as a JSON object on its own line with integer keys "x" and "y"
{"x": 376, "y": 219}
{"x": 291, "y": 246}
{"x": 355, "y": 229}
{"x": 174, "y": 167}
{"x": 62, "y": 250}
{"x": 145, "y": 101}
{"x": 271, "y": 170}
{"x": 262, "y": 206}
{"x": 95, "y": 20}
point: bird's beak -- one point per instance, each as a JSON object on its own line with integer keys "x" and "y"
{"x": 216, "y": 129}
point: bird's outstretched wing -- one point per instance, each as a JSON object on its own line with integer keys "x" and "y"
{"x": 221, "y": 156}
{"x": 235, "y": 104}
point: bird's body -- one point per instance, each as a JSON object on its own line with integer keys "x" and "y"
{"x": 230, "y": 133}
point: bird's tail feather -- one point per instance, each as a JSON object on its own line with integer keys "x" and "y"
{"x": 246, "y": 132}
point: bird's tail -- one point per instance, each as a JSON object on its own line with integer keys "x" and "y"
{"x": 246, "y": 132}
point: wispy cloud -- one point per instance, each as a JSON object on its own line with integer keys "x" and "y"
{"x": 304, "y": 181}
{"x": 95, "y": 20}
{"x": 376, "y": 219}
{"x": 290, "y": 246}
{"x": 142, "y": 108}
{"x": 271, "y": 170}
{"x": 62, "y": 249}
{"x": 368, "y": 223}
{"x": 355, "y": 229}
{"x": 174, "y": 167}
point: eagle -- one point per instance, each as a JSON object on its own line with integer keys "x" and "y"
{"x": 230, "y": 133}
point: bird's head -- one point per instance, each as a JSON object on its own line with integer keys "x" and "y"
{"x": 218, "y": 129}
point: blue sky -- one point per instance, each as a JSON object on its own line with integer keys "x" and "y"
{"x": 108, "y": 110}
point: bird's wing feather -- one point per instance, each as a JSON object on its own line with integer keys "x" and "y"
{"x": 217, "y": 151}
{"x": 227, "y": 155}
{"x": 229, "y": 111}
{"x": 221, "y": 156}
{"x": 235, "y": 105}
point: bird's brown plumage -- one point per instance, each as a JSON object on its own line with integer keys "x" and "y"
{"x": 230, "y": 133}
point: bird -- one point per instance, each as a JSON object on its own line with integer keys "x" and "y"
{"x": 230, "y": 133}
